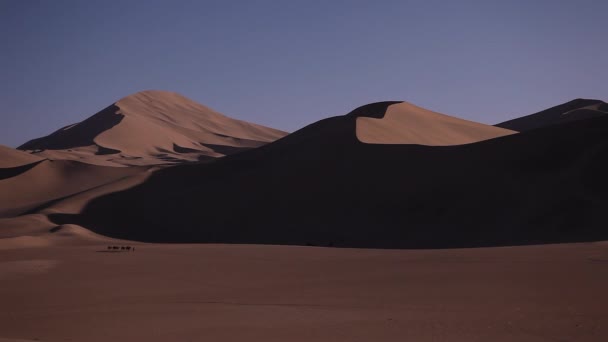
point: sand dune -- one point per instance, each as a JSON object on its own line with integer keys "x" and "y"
{"x": 405, "y": 123}
{"x": 360, "y": 180}
{"x": 78, "y": 163}
{"x": 152, "y": 127}
{"x": 574, "y": 110}
{"x": 25, "y": 225}
{"x": 322, "y": 186}
{"x": 35, "y": 229}
{"x": 10, "y": 157}
{"x": 53, "y": 180}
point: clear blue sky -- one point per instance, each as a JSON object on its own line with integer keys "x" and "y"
{"x": 289, "y": 63}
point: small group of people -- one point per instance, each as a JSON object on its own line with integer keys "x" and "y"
{"x": 122, "y": 248}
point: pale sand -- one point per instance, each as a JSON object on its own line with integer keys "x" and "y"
{"x": 280, "y": 293}
{"x": 149, "y": 128}
{"x": 405, "y": 123}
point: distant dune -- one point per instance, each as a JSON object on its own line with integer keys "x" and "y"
{"x": 9, "y": 157}
{"x": 63, "y": 171}
{"x": 322, "y": 186}
{"x": 151, "y": 128}
{"x": 40, "y": 183}
{"x": 384, "y": 177}
{"x": 574, "y": 110}
{"x": 405, "y": 123}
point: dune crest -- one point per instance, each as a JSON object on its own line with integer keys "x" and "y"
{"x": 405, "y": 123}
{"x": 53, "y": 180}
{"x": 10, "y": 157}
{"x": 150, "y": 128}
{"x": 578, "y": 109}
{"x": 322, "y": 186}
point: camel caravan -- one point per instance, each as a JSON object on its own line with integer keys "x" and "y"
{"x": 121, "y": 248}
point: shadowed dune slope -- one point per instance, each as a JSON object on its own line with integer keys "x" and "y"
{"x": 49, "y": 180}
{"x": 322, "y": 186}
{"x": 405, "y": 123}
{"x": 152, "y": 127}
{"x": 574, "y": 110}
{"x": 14, "y": 162}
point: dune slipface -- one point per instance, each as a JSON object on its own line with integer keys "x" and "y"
{"x": 151, "y": 128}
{"x": 14, "y": 162}
{"x": 405, "y": 123}
{"x": 322, "y": 186}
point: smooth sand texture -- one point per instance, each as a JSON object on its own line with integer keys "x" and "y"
{"x": 14, "y": 162}
{"x": 75, "y": 203}
{"x": 75, "y": 292}
{"x": 31, "y": 225}
{"x": 152, "y": 127}
{"x": 405, "y": 123}
{"x": 53, "y": 180}
{"x": 578, "y": 109}
{"x": 22, "y": 242}
{"x": 322, "y": 186}
{"x": 10, "y": 157}
{"x": 35, "y": 231}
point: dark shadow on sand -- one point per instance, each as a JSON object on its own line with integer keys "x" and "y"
{"x": 321, "y": 186}
{"x": 10, "y": 172}
{"x": 77, "y": 135}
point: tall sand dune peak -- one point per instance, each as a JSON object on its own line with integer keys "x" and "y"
{"x": 152, "y": 127}
{"x": 405, "y": 123}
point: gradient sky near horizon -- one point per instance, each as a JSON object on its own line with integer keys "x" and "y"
{"x": 286, "y": 64}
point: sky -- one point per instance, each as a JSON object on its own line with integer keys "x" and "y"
{"x": 287, "y": 64}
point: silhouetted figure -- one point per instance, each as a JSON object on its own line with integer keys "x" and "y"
{"x": 115, "y": 247}
{"x": 128, "y": 248}
{"x": 109, "y": 247}
{"x": 133, "y": 248}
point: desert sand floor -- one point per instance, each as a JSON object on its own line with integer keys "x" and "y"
{"x": 281, "y": 293}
